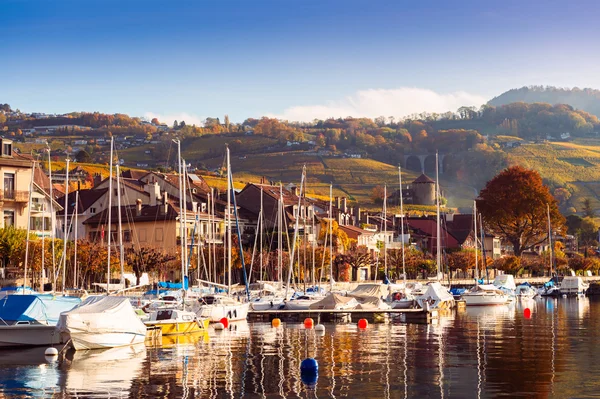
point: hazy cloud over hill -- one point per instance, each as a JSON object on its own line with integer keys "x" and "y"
{"x": 372, "y": 103}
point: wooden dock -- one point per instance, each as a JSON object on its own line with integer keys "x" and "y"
{"x": 346, "y": 315}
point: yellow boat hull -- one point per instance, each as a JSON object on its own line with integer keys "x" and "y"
{"x": 182, "y": 327}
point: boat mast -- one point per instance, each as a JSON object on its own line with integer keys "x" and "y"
{"x": 296, "y": 227}
{"x": 402, "y": 224}
{"x": 184, "y": 210}
{"x": 228, "y": 223}
{"x": 66, "y": 228}
{"x": 181, "y": 221}
{"x": 550, "y": 240}
{"x": 28, "y": 226}
{"x": 438, "y": 258}
{"x": 385, "y": 231}
{"x": 120, "y": 228}
{"x": 280, "y": 238}
{"x": 109, "y": 232}
{"x": 331, "y": 238}
{"x": 260, "y": 223}
{"x": 52, "y": 219}
{"x": 75, "y": 211}
{"x": 475, "y": 241}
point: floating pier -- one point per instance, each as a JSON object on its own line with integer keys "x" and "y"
{"x": 345, "y": 315}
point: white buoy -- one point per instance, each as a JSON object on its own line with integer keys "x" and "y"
{"x": 319, "y": 327}
{"x": 51, "y": 352}
{"x": 219, "y": 326}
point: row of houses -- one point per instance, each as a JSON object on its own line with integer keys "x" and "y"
{"x": 153, "y": 211}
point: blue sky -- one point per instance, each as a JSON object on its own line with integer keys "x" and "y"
{"x": 292, "y": 59}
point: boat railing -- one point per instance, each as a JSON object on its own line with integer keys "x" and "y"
{"x": 2, "y": 320}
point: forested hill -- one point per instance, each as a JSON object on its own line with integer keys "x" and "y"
{"x": 585, "y": 99}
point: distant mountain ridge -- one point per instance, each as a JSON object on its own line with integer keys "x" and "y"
{"x": 584, "y": 99}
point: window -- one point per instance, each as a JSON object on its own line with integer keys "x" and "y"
{"x": 9, "y": 218}
{"x": 126, "y": 236}
{"x": 158, "y": 234}
{"x": 7, "y": 149}
{"x": 9, "y": 186}
{"x": 142, "y": 235}
{"x": 92, "y": 211}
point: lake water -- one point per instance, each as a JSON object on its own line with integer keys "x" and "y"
{"x": 471, "y": 353}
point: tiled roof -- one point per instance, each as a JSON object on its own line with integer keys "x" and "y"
{"x": 129, "y": 214}
{"x": 423, "y": 179}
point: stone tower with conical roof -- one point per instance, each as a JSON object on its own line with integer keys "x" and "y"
{"x": 423, "y": 191}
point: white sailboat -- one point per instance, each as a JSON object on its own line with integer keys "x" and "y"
{"x": 216, "y": 307}
{"x": 483, "y": 294}
{"x": 102, "y": 322}
{"x": 435, "y": 295}
{"x": 401, "y": 295}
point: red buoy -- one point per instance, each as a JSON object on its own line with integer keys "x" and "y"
{"x": 527, "y": 313}
{"x": 225, "y": 322}
{"x": 308, "y": 323}
{"x": 363, "y": 323}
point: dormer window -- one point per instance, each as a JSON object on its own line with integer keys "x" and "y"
{"x": 6, "y": 147}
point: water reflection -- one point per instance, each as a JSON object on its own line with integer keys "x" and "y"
{"x": 102, "y": 372}
{"x": 476, "y": 352}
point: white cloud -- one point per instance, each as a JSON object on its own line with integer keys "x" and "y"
{"x": 372, "y": 103}
{"x": 182, "y": 116}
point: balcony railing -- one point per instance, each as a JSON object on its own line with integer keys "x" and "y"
{"x": 14, "y": 195}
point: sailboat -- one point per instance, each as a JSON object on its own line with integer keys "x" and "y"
{"x": 304, "y": 301}
{"x": 482, "y": 294}
{"x": 101, "y": 322}
{"x": 435, "y": 295}
{"x": 215, "y": 307}
{"x": 26, "y": 317}
{"x": 401, "y": 296}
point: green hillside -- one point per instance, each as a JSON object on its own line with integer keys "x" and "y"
{"x": 572, "y": 165}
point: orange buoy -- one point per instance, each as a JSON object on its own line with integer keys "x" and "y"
{"x": 275, "y": 323}
{"x": 527, "y": 313}
{"x": 308, "y": 322}
{"x": 225, "y": 322}
{"x": 363, "y": 323}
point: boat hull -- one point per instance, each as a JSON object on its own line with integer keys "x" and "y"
{"x": 485, "y": 300}
{"x": 182, "y": 327}
{"x": 214, "y": 313}
{"x": 29, "y": 335}
{"x": 98, "y": 340}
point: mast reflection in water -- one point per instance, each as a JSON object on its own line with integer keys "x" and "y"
{"x": 478, "y": 352}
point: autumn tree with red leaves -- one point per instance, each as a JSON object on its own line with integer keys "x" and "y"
{"x": 514, "y": 206}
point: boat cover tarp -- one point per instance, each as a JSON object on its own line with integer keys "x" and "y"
{"x": 370, "y": 290}
{"x": 505, "y": 281}
{"x": 45, "y": 309}
{"x": 102, "y": 314}
{"x": 335, "y": 301}
{"x": 572, "y": 283}
{"x": 371, "y": 303}
{"x": 437, "y": 291}
{"x": 173, "y": 286}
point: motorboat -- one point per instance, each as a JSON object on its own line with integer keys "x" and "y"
{"x": 268, "y": 302}
{"x": 176, "y": 321}
{"x": 551, "y": 288}
{"x": 371, "y": 296}
{"x": 573, "y": 286}
{"x": 216, "y": 307}
{"x": 335, "y": 301}
{"x": 302, "y": 302}
{"x": 30, "y": 320}
{"x": 435, "y": 296}
{"x": 402, "y": 295}
{"x": 102, "y": 322}
{"x": 485, "y": 294}
{"x": 525, "y": 291}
